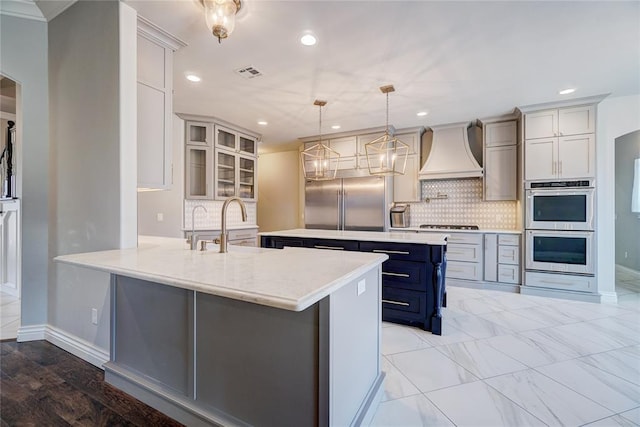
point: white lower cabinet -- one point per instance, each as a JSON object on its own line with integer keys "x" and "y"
{"x": 502, "y": 258}
{"x": 561, "y": 281}
{"x": 464, "y": 256}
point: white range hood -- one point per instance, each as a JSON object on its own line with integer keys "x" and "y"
{"x": 450, "y": 156}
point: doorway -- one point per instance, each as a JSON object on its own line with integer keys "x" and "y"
{"x": 10, "y": 235}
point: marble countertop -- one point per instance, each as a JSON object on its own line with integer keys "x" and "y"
{"x": 448, "y": 230}
{"x": 366, "y": 236}
{"x": 290, "y": 278}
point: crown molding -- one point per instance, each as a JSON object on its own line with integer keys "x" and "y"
{"x": 25, "y": 9}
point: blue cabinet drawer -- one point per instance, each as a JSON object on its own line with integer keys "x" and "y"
{"x": 400, "y": 303}
{"x": 397, "y": 251}
{"x": 337, "y": 245}
{"x": 404, "y": 274}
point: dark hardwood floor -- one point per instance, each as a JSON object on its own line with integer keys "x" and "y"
{"x": 43, "y": 385}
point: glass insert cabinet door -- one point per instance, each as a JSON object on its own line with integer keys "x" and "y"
{"x": 225, "y": 174}
{"x": 246, "y": 182}
{"x": 199, "y": 172}
{"x": 228, "y": 139}
{"x": 199, "y": 133}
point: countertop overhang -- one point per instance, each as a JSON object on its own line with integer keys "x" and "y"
{"x": 436, "y": 238}
{"x": 451, "y": 230}
{"x": 291, "y": 278}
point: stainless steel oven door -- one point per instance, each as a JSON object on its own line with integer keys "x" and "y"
{"x": 560, "y": 251}
{"x": 560, "y": 209}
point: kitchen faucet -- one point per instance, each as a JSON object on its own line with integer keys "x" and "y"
{"x": 193, "y": 240}
{"x": 223, "y": 232}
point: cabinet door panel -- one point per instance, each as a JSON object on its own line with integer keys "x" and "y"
{"x": 346, "y": 146}
{"x": 198, "y": 177}
{"x": 406, "y": 188}
{"x": 576, "y": 121}
{"x": 471, "y": 253}
{"x": 508, "y": 255}
{"x": 500, "y": 173}
{"x": 576, "y": 156}
{"x": 490, "y": 257}
{"x": 152, "y": 159}
{"x": 542, "y": 124}
{"x": 540, "y": 158}
{"x": 151, "y": 63}
{"x": 500, "y": 134}
{"x": 464, "y": 270}
{"x": 225, "y": 174}
{"x": 509, "y": 274}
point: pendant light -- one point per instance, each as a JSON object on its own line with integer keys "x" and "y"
{"x": 386, "y": 155}
{"x": 319, "y": 162}
{"x": 220, "y": 16}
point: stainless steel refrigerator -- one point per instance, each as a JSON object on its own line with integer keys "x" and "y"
{"x": 347, "y": 204}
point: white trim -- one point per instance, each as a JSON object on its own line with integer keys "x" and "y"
{"x": 31, "y": 333}
{"x": 558, "y": 293}
{"x": 77, "y": 346}
{"x": 564, "y": 103}
{"x": 25, "y": 9}
{"x": 151, "y": 31}
{"x": 609, "y": 297}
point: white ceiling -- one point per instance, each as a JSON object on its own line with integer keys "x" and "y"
{"x": 458, "y": 60}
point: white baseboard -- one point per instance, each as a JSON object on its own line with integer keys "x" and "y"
{"x": 77, "y": 346}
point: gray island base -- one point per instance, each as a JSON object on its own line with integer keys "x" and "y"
{"x": 209, "y": 359}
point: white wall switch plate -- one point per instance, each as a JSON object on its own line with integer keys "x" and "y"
{"x": 160, "y": 217}
{"x": 361, "y": 287}
{"x": 94, "y": 316}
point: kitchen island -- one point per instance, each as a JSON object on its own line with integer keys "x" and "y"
{"x": 413, "y": 285}
{"x": 250, "y": 337}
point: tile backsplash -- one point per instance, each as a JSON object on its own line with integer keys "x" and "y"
{"x": 211, "y": 219}
{"x": 463, "y": 205}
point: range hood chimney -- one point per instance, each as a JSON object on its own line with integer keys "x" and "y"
{"x": 450, "y": 156}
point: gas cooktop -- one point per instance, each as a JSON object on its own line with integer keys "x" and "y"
{"x": 449, "y": 227}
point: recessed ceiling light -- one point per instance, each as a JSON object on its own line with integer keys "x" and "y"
{"x": 422, "y": 113}
{"x": 335, "y": 127}
{"x": 308, "y": 39}
{"x": 262, "y": 123}
{"x": 193, "y": 78}
{"x": 567, "y": 91}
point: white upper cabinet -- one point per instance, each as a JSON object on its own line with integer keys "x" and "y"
{"x": 560, "y": 143}
{"x": 406, "y": 188}
{"x": 154, "y": 91}
{"x": 500, "y": 177}
{"x": 230, "y": 139}
{"x": 560, "y": 122}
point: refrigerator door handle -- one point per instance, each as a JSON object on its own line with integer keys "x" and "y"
{"x": 340, "y": 210}
{"x": 344, "y": 209}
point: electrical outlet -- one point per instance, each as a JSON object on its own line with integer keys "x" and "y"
{"x": 94, "y": 316}
{"x": 159, "y": 217}
{"x": 361, "y": 287}
{"x": 626, "y": 254}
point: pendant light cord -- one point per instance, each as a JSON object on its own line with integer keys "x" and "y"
{"x": 320, "y": 123}
{"x": 387, "y": 123}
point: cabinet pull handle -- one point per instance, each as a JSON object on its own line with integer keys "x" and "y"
{"x": 405, "y": 304}
{"x": 560, "y": 171}
{"x": 335, "y": 248}
{"x": 395, "y": 274}
{"x": 391, "y": 252}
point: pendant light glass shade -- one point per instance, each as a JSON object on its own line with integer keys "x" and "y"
{"x": 319, "y": 162}
{"x": 386, "y": 155}
{"x": 220, "y": 16}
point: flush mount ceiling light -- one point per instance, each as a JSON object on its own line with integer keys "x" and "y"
{"x": 422, "y": 113}
{"x": 193, "y": 78}
{"x": 335, "y": 127}
{"x": 220, "y": 16}
{"x": 308, "y": 39}
{"x": 319, "y": 162}
{"x": 263, "y": 123}
{"x": 567, "y": 91}
{"x": 387, "y": 155}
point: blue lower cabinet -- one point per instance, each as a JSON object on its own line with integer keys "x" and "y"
{"x": 412, "y": 292}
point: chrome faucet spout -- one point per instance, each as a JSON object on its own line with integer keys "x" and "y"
{"x": 193, "y": 240}
{"x": 223, "y": 231}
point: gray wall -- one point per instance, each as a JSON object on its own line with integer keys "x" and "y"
{"x": 169, "y": 202}
{"x": 627, "y": 222}
{"x": 23, "y": 58}
{"x": 89, "y": 143}
{"x": 278, "y": 191}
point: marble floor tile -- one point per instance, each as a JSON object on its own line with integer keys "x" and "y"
{"x": 527, "y": 351}
{"x": 396, "y": 385}
{"x": 476, "y": 404}
{"x": 599, "y": 310}
{"x": 548, "y": 315}
{"x": 481, "y": 359}
{"x": 478, "y": 327}
{"x": 450, "y": 335}
{"x": 633, "y": 415}
{"x": 512, "y": 320}
{"x": 396, "y": 339}
{"x": 458, "y": 293}
{"x": 409, "y": 411}
{"x": 623, "y": 362}
{"x": 473, "y": 305}
{"x": 430, "y": 370}
{"x": 608, "y": 390}
{"x": 578, "y": 310}
{"x": 630, "y": 320}
{"x": 619, "y": 328}
{"x": 548, "y": 400}
{"x": 452, "y": 313}
{"x": 513, "y": 301}
{"x": 577, "y": 340}
{"x": 630, "y": 301}
{"x": 614, "y": 421}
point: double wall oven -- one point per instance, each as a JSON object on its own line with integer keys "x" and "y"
{"x": 559, "y": 227}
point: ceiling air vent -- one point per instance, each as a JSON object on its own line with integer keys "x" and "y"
{"x": 248, "y": 72}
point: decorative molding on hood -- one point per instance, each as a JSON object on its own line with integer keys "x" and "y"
{"x": 450, "y": 156}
